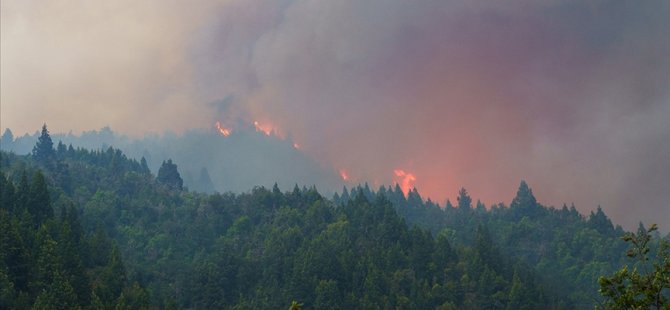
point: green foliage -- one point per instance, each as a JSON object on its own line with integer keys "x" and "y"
{"x": 45, "y": 262}
{"x": 44, "y": 152}
{"x": 295, "y": 306}
{"x": 169, "y": 176}
{"x": 600, "y": 222}
{"x": 7, "y": 291}
{"x": 464, "y": 200}
{"x": 565, "y": 252}
{"x": 127, "y": 240}
{"x": 647, "y": 285}
{"x": 39, "y": 201}
{"x": 327, "y": 295}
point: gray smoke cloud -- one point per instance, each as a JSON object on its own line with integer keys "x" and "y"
{"x": 571, "y": 96}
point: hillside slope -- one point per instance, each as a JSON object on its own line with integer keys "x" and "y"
{"x": 264, "y": 248}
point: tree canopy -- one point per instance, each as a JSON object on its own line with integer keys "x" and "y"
{"x": 168, "y": 175}
{"x": 647, "y": 285}
{"x": 100, "y": 231}
{"x": 44, "y": 152}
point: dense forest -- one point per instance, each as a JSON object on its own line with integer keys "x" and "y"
{"x": 208, "y": 161}
{"x": 94, "y": 229}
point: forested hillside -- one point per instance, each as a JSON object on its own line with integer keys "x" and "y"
{"x": 93, "y": 229}
{"x": 566, "y": 250}
{"x": 208, "y": 161}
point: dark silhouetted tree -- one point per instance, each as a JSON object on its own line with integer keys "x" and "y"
{"x": 169, "y": 176}
{"x": 524, "y": 204}
{"x": 39, "y": 202}
{"x": 464, "y": 200}
{"x": 144, "y": 167}
{"x": 7, "y": 139}
{"x": 600, "y": 222}
{"x": 44, "y": 151}
{"x": 7, "y": 195}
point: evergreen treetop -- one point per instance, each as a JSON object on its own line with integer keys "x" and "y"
{"x": 169, "y": 175}
{"x": 44, "y": 151}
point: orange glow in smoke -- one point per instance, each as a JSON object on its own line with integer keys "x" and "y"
{"x": 296, "y": 146}
{"x": 224, "y": 131}
{"x": 406, "y": 180}
{"x": 267, "y": 129}
{"x": 344, "y": 175}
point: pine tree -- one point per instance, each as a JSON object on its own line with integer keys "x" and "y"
{"x": 7, "y": 196}
{"x": 44, "y": 152}
{"x": 600, "y": 222}
{"x": 59, "y": 294}
{"x": 7, "y": 292}
{"x": 22, "y": 194}
{"x": 72, "y": 264}
{"x": 144, "y": 167}
{"x": 414, "y": 200}
{"x": 486, "y": 249}
{"x": 61, "y": 150}
{"x": 464, "y": 200}
{"x": 516, "y": 296}
{"x": 525, "y": 204}
{"x": 7, "y": 139}
{"x": 115, "y": 272}
{"x": 169, "y": 175}
{"x": 134, "y": 297}
{"x": 56, "y": 291}
{"x": 14, "y": 253}
{"x": 39, "y": 202}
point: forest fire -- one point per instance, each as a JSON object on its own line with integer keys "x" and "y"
{"x": 267, "y": 129}
{"x": 406, "y": 180}
{"x": 344, "y": 175}
{"x": 224, "y": 131}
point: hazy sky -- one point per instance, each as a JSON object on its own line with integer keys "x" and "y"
{"x": 572, "y": 96}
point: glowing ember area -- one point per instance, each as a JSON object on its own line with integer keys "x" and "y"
{"x": 296, "y": 145}
{"x": 344, "y": 175}
{"x": 406, "y": 180}
{"x": 224, "y": 131}
{"x": 267, "y": 129}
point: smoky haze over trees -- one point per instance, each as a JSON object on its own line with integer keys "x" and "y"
{"x": 207, "y": 160}
{"x": 451, "y": 103}
{"x": 570, "y": 95}
{"x": 124, "y": 238}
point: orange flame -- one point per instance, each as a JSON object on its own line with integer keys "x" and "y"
{"x": 264, "y": 128}
{"x": 406, "y": 180}
{"x": 224, "y": 131}
{"x": 344, "y": 175}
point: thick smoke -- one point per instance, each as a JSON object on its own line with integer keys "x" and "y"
{"x": 571, "y": 96}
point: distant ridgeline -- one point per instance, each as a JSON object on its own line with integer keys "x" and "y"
{"x": 95, "y": 229}
{"x": 207, "y": 160}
